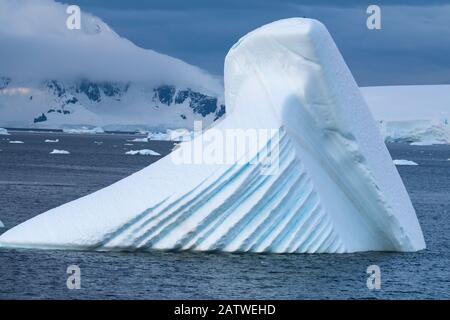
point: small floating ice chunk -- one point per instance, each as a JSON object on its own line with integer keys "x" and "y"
{"x": 16, "y": 142}
{"x": 51, "y": 141}
{"x": 83, "y": 130}
{"x": 422, "y": 143}
{"x": 56, "y": 151}
{"x": 3, "y": 132}
{"x": 402, "y": 162}
{"x": 178, "y": 135}
{"x": 158, "y": 136}
{"x": 139, "y": 140}
{"x": 1, "y": 224}
{"x": 143, "y": 152}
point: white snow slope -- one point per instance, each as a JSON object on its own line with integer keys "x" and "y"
{"x": 415, "y": 114}
{"x": 53, "y": 77}
{"x": 324, "y": 182}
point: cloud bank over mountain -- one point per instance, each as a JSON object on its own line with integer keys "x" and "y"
{"x": 37, "y": 44}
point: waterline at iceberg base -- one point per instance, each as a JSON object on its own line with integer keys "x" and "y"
{"x": 335, "y": 189}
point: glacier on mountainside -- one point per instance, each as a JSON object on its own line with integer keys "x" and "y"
{"x": 53, "y": 77}
{"x": 320, "y": 178}
{"x": 416, "y": 114}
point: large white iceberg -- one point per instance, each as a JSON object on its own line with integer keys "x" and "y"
{"x": 415, "y": 114}
{"x": 323, "y": 180}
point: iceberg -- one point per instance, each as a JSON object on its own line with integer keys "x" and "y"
{"x": 139, "y": 140}
{"x": 143, "y": 152}
{"x": 1, "y": 224}
{"x": 402, "y": 162}
{"x": 319, "y": 180}
{"x": 176, "y": 135}
{"x": 3, "y": 132}
{"x": 416, "y": 114}
{"x": 84, "y": 130}
{"x": 56, "y": 151}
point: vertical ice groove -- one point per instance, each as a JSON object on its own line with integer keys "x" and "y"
{"x": 304, "y": 227}
{"x": 287, "y": 230}
{"x": 253, "y": 179}
{"x": 129, "y": 225}
{"x": 305, "y": 203}
{"x": 312, "y": 233}
{"x": 193, "y": 197}
{"x": 191, "y": 238}
{"x": 327, "y": 240}
{"x": 247, "y": 221}
{"x": 150, "y": 215}
{"x": 319, "y": 235}
{"x": 295, "y": 191}
{"x": 250, "y": 190}
{"x": 199, "y": 199}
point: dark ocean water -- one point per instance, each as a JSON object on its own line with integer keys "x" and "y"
{"x": 32, "y": 181}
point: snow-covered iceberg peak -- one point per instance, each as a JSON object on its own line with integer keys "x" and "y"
{"x": 331, "y": 185}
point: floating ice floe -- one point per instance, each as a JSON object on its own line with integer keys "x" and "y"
{"x": 139, "y": 140}
{"x": 160, "y": 136}
{"x": 320, "y": 178}
{"x": 3, "y": 132}
{"x": 143, "y": 152}
{"x": 16, "y": 142}
{"x": 84, "y": 130}
{"x": 1, "y": 224}
{"x": 177, "y": 135}
{"x": 402, "y": 162}
{"x": 56, "y": 151}
{"x": 51, "y": 141}
{"x": 422, "y": 143}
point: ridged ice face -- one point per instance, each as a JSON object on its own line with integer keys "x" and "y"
{"x": 321, "y": 181}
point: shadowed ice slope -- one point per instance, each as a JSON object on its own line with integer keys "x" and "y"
{"x": 322, "y": 180}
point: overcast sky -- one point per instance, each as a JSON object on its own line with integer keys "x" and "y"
{"x": 413, "y": 46}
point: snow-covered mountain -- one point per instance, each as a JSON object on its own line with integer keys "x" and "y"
{"x": 417, "y": 114}
{"x": 54, "y": 77}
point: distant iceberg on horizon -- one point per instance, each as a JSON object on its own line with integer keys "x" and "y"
{"x": 323, "y": 182}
